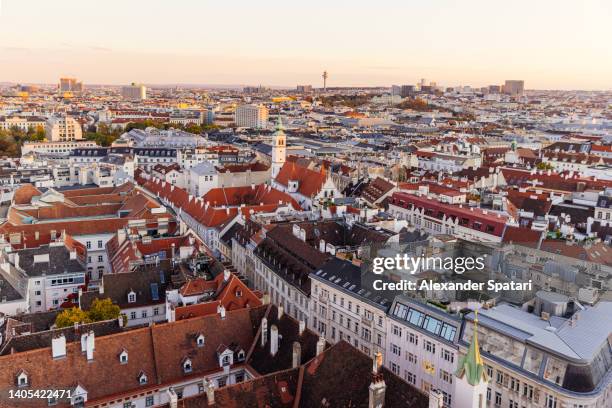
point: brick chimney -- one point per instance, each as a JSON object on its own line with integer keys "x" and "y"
{"x": 273, "y": 340}
{"x": 377, "y": 387}
{"x": 172, "y": 398}
{"x": 90, "y": 345}
{"x": 435, "y": 399}
{"x": 264, "y": 332}
{"x": 58, "y": 346}
{"x": 320, "y": 345}
{"x": 209, "y": 389}
{"x": 296, "y": 355}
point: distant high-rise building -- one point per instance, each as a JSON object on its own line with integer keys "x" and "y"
{"x": 252, "y": 116}
{"x": 325, "y": 76}
{"x": 63, "y": 129}
{"x": 304, "y": 88}
{"x": 396, "y": 90}
{"x": 134, "y": 92}
{"x": 254, "y": 89}
{"x": 514, "y": 87}
{"x": 70, "y": 85}
{"x": 494, "y": 89}
{"x": 407, "y": 90}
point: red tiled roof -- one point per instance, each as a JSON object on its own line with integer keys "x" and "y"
{"x": 309, "y": 181}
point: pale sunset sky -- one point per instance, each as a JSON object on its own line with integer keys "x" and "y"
{"x": 551, "y": 44}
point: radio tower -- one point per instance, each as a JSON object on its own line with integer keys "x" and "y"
{"x": 324, "y": 80}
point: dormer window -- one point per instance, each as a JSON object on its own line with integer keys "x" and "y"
{"x": 238, "y": 293}
{"x": 132, "y": 297}
{"x": 241, "y": 355}
{"x": 142, "y": 378}
{"x": 187, "y": 368}
{"x": 200, "y": 340}
{"x": 22, "y": 379}
{"x": 123, "y": 357}
{"x": 226, "y": 360}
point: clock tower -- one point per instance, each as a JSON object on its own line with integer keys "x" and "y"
{"x": 279, "y": 148}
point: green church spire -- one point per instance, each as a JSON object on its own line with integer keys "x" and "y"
{"x": 472, "y": 365}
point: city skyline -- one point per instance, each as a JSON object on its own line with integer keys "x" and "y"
{"x": 550, "y": 45}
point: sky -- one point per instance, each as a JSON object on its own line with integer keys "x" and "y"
{"x": 551, "y": 44}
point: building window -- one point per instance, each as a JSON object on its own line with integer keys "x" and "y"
{"x": 187, "y": 366}
{"x": 149, "y": 401}
{"x": 412, "y": 358}
{"x": 221, "y": 382}
{"x": 99, "y": 244}
{"x": 100, "y": 258}
{"x": 446, "y": 376}
{"x": 551, "y": 401}
{"x": 410, "y": 377}
{"x": 395, "y": 368}
{"x": 88, "y": 244}
{"x": 155, "y": 311}
{"x": 132, "y": 315}
{"x": 429, "y": 346}
{"x": 448, "y": 356}
{"x": 395, "y": 349}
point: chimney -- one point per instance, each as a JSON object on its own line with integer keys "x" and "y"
{"x": 172, "y": 397}
{"x": 273, "y": 340}
{"x": 297, "y": 354}
{"x": 377, "y": 386}
{"x": 209, "y": 389}
{"x": 266, "y": 299}
{"x": 435, "y": 399}
{"x": 320, "y": 345}
{"x": 172, "y": 314}
{"x": 90, "y": 345}
{"x": 226, "y": 275}
{"x": 280, "y": 310}
{"x": 120, "y": 320}
{"x": 101, "y": 288}
{"x": 221, "y": 310}
{"x": 58, "y": 346}
{"x": 264, "y": 332}
{"x": 302, "y": 327}
{"x": 121, "y": 236}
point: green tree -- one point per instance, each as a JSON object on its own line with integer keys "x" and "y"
{"x": 103, "y": 309}
{"x": 71, "y": 316}
{"x": 544, "y": 166}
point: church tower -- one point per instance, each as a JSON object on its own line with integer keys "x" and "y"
{"x": 472, "y": 379}
{"x": 279, "y": 146}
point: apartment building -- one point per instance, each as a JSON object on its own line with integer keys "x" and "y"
{"x": 63, "y": 129}
{"x": 50, "y": 274}
{"x": 252, "y": 116}
{"x": 542, "y": 359}
{"x": 434, "y": 217}
{"x": 422, "y": 346}
{"x": 134, "y": 92}
{"x": 24, "y": 123}
{"x": 344, "y": 309}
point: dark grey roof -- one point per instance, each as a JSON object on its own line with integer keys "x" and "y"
{"x": 59, "y": 261}
{"x": 347, "y": 277}
{"x": 42, "y": 339}
{"x": 149, "y": 285}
